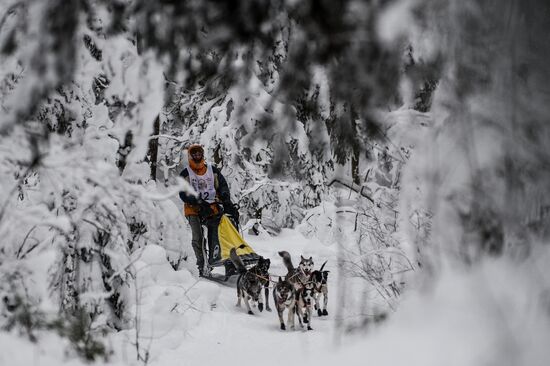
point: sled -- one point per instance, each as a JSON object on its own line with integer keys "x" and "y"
{"x": 227, "y": 237}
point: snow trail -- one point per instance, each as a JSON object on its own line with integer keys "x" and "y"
{"x": 229, "y": 335}
{"x": 221, "y": 332}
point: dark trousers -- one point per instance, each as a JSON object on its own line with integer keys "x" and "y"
{"x": 214, "y": 253}
{"x": 196, "y": 239}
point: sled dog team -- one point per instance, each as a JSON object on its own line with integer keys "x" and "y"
{"x": 298, "y": 293}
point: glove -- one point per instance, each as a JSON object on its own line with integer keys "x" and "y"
{"x": 230, "y": 208}
{"x": 227, "y": 204}
{"x": 233, "y": 213}
{"x": 204, "y": 208}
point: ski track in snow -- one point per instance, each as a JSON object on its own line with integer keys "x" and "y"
{"x": 228, "y": 335}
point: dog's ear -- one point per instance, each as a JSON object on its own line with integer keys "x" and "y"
{"x": 311, "y": 259}
{"x": 302, "y": 257}
{"x": 280, "y": 279}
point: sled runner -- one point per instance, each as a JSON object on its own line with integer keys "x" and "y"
{"x": 218, "y": 243}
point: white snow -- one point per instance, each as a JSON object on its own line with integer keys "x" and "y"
{"x": 494, "y": 312}
{"x": 483, "y": 316}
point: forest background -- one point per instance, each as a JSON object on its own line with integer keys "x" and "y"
{"x": 422, "y": 123}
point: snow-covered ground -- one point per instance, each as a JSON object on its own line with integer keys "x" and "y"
{"x": 217, "y": 331}
{"x": 487, "y": 316}
{"x": 228, "y": 335}
{"x": 183, "y": 320}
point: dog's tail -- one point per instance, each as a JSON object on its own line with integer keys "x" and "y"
{"x": 323, "y": 266}
{"x": 237, "y": 261}
{"x": 287, "y": 260}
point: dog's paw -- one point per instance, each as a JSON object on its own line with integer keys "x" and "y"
{"x": 250, "y": 312}
{"x": 268, "y": 308}
{"x": 319, "y": 312}
{"x": 261, "y": 307}
{"x": 309, "y": 328}
{"x": 283, "y": 327}
{"x": 325, "y": 312}
{"x": 316, "y": 307}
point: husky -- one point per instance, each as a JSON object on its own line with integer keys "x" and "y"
{"x": 300, "y": 275}
{"x": 306, "y": 265}
{"x": 305, "y": 297}
{"x": 261, "y": 271}
{"x": 249, "y": 286}
{"x": 284, "y": 297}
{"x": 319, "y": 278}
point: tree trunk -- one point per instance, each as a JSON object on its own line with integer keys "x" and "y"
{"x": 153, "y": 149}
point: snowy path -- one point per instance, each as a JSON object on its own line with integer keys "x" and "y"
{"x": 226, "y": 334}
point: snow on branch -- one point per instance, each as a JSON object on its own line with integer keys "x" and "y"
{"x": 346, "y": 182}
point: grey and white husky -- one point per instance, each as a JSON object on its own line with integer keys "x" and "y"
{"x": 297, "y": 276}
{"x": 249, "y": 285}
{"x": 305, "y": 297}
{"x": 319, "y": 278}
{"x": 284, "y": 296}
{"x": 306, "y": 266}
